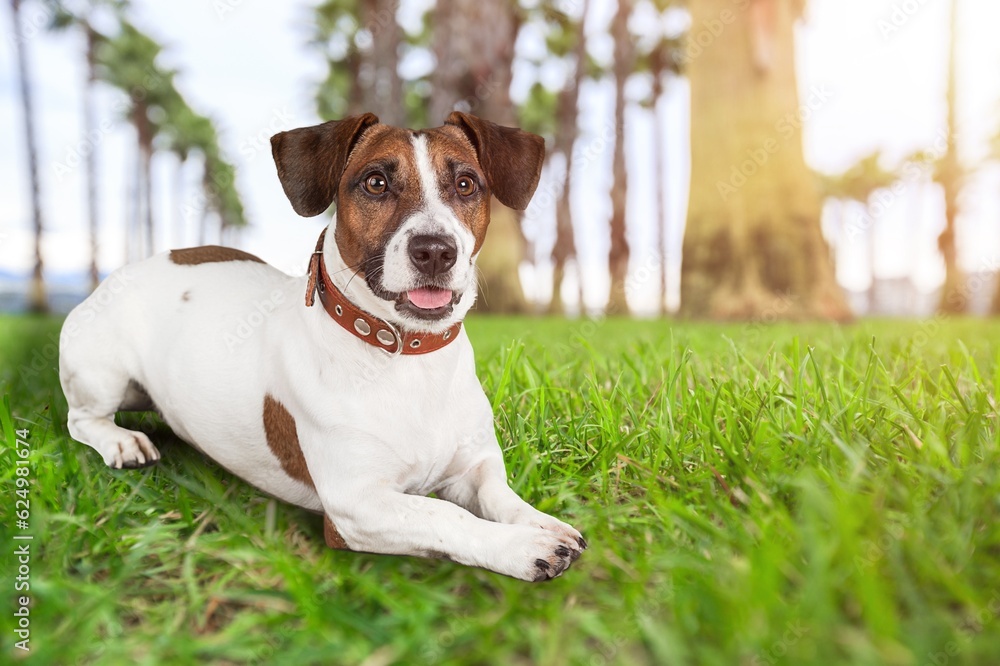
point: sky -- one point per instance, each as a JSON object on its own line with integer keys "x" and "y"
{"x": 881, "y": 65}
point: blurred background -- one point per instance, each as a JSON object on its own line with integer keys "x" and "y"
{"x": 727, "y": 159}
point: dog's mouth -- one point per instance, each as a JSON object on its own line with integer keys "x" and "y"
{"x": 427, "y": 302}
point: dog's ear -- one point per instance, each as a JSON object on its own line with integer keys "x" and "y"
{"x": 511, "y": 158}
{"x": 311, "y": 160}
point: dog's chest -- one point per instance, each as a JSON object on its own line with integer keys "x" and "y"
{"x": 432, "y": 429}
{"x": 421, "y": 419}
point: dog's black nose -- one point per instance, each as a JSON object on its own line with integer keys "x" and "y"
{"x": 432, "y": 255}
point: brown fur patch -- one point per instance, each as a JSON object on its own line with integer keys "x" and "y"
{"x": 332, "y": 536}
{"x": 210, "y": 254}
{"x": 283, "y": 440}
{"x": 364, "y": 222}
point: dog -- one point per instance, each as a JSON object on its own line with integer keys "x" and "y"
{"x": 360, "y": 400}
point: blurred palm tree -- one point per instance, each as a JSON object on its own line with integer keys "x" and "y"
{"x": 336, "y": 25}
{"x": 753, "y": 245}
{"x": 361, "y": 41}
{"x": 80, "y": 18}
{"x": 158, "y": 111}
{"x": 380, "y": 80}
{"x": 555, "y": 115}
{"x": 624, "y": 63}
{"x": 222, "y": 195}
{"x": 660, "y": 59}
{"x": 949, "y": 173}
{"x": 186, "y": 133}
{"x": 859, "y": 183}
{"x": 37, "y": 299}
{"x": 128, "y": 62}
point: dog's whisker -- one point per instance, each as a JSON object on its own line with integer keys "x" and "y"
{"x": 362, "y": 266}
{"x": 348, "y": 268}
{"x": 481, "y": 285}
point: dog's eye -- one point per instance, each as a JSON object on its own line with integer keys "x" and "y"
{"x": 376, "y": 184}
{"x": 465, "y": 185}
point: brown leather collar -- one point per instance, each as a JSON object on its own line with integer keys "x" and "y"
{"x": 376, "y": 332}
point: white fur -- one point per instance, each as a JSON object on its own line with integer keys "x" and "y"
{"x": 378, "y": 432}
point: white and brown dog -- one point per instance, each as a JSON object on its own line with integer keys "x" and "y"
{"x": 360, "y": 408}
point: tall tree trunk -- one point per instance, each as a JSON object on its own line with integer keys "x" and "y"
{"x": 565, "y": 244}
{"x": 954, "y": 300}
{"x": 383, "y": 89}
{"x": 144, "y": 135}
{"x": 618, "y": 256}
{"x": 567, "y": 130}
{"x": 753, "y": 246}
{"x": 90, "y": 130}
{"x": 132, "y": 208}
{"x": 147, "y": 181}
{"x": 660, "y": 167}
{"x": 37, "y": 299}
{"x": 474, "y": 49}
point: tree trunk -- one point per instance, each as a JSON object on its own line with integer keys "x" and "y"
{"x": 382, "y": 87}
{"x": 131, "y": 208}
{"x": 556, "y": 305}
{"x": 954, "y": 299}
{"x": 90, "y": 130}
{"x": 147, "y": 180}
{"x": 474, "y": 49}
{"x": 567, "y": 131}
{"x": 37, "y": 299}
{"x": 753, "y": 246}
{"x": 144, "y": 135}
{"x": 565, "y": 244}
{"x": 618, "y": 256}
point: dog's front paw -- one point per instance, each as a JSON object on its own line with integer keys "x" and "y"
{"x": 130, "y": 450}
{"x": 541, "y": 554}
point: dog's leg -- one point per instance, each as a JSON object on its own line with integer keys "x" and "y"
{"x": 483, "y": 490}
{"x": 94, "y": 396}
{"x": 394, "y": 523}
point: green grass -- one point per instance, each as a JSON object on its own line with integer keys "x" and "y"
{"x": 752, "y": 494}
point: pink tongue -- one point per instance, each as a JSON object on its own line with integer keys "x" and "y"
{"x": 429, "y": 299}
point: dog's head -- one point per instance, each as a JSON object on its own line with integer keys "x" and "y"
{"x": 412, "y": 206}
